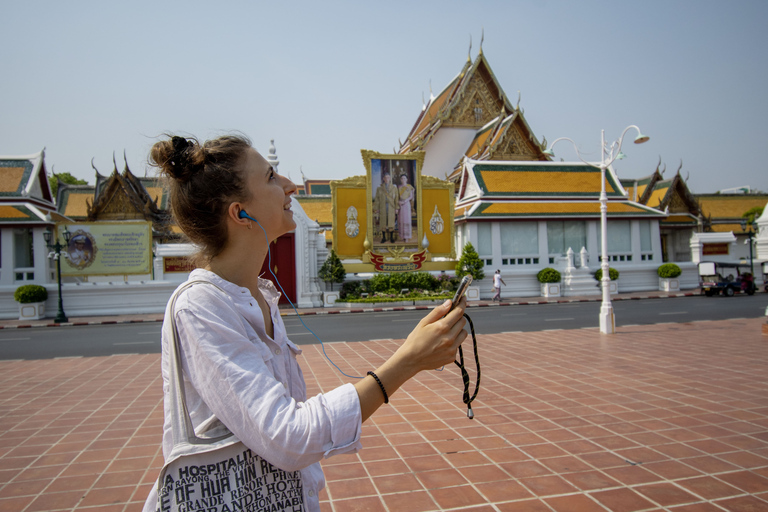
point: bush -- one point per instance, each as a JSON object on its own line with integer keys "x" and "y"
{"x": 470, "y": 263}
{"x": 397, "y": 281}
{"x": 612, "y": 273}
{"x": 332, "y": 270}
{"x": 669, "y": 270}
{"x": 29, "y": 293}
{"x": 548, "y": 275}
{"x": 353, "y": 289}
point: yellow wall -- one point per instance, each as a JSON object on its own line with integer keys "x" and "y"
{"x": 342, "y": 244}
{"x": 438, "y": 244}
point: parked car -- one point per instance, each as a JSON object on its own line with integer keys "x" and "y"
{"x": 725, "y": 279}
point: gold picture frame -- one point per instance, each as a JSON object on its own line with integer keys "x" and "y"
{"x": 387, "y": 233}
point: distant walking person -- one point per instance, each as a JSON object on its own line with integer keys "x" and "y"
{"x": 497, "y": 282}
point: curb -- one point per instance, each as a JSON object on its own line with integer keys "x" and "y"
{"x": 368, "y": 310}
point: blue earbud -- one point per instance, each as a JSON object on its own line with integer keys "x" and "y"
{"x": 244, "y": 215}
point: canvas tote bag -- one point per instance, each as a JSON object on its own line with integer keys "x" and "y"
{"x": 211, "y": 470}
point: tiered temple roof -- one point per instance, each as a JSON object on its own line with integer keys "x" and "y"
{"x": 723, "y": 212}
{"x": 25, "y": 195}
{"x": 505, "y": 190}
{"x": 475, "y": 100}
{"x": 120, "y": 196}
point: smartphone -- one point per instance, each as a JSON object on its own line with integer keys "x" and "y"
{"x": 461, "y": 290}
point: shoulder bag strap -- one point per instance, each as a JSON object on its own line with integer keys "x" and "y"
{"x": 181, "y": 423}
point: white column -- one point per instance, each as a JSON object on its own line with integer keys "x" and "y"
{"x": 40, "y": 251}
{"x": 543, "y": 244}
{"x": 6, "y": 257}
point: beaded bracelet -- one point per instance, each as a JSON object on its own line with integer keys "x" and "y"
{"x": 386, "y": 397}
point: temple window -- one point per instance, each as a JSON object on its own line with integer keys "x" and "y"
{"x": 562, "y": 235}
{"x": 619, "y": 241}
{"x": 520, "y": 243}
{"x": 485, "y": 242}
{"x": 23, "y": 255}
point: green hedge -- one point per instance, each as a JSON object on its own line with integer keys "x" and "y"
{"x": 29, "y": 293}
{"x": 612, "y": 273}
{"x": 548, "y": 275}
{"x": 669, "y": 270}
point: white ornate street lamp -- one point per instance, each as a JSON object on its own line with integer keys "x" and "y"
{"x": 609, "y": 154}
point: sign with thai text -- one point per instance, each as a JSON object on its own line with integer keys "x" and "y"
{"x": 177, "y": 264}
{"x": 398, "y": 266}
{"x": 106, "y": 248}
{"x": 715, "y": 249}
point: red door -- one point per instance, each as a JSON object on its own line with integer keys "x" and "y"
{"x": 283, "y": 265}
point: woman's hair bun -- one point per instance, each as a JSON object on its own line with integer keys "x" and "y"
{"x": 179, "y": 157}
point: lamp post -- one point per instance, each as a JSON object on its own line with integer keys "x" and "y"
{"x": 57, "y": 247}
{"x": 752, "y": 226}
{"x": 609, "y": 153}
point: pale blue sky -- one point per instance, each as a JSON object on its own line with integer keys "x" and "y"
{"x": 326, "y": 79}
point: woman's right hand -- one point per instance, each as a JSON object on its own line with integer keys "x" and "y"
{"x": 432, "y": 344}
{"x": 436, "y": 338}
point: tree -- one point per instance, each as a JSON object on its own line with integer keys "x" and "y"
{"x": 752, "y": 214}
{"x": 332, "y": 270}
{"x": 470, "y": 263}
{"x": 64, "y": 177}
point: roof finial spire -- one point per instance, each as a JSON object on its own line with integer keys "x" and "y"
{"x": 518, "y": 100}
{"x": 423, "y": 102}
{"x": 482, "y": 38}
{"x": 469, "y": 53}
{"x": 272, "y": 157}
{"x": 431, "y": 95}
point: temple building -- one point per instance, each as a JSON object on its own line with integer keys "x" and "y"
{"x": 117, "y": 197}
{"x": 27, "y": 211}
{"x": 473, "y": 118}
{"x": 521, "y": 211}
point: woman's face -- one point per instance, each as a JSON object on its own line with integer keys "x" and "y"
{"x": 403, "y": 179}
{"x": 270, "y": 196}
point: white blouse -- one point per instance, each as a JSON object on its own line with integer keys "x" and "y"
{"x": 253, "y": 384}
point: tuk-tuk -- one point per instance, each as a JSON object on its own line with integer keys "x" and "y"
{"x": 726, "y": 279}
{"x": 765, "y": 275}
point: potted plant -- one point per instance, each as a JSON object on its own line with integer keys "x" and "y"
{"x": 550, "y": 282}
{"x": 470, "y": 263}
{"x": 31, "y": 299}
{"x": 668, "y": 277}
{"x": 332, "y": 271}
{"x": 613, "y": 285}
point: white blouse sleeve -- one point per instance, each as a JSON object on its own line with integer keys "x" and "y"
{"x": 229, "y": 372}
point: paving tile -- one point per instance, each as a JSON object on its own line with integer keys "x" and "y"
{"x": 666, "y": 494}
{"x": 397, "y": 483}
{"x": 417, "y": 501}
{"x": 743, "y": 504}
{"x": 708, "y": 487}
{"x": 457, "y": 497}
{"x": 548, "y": 485}
{"x": 574, "y": 503}
{"x": 622, "y": 500}
{"x": 746, "y": 481}
{"x": 524, "y": 506}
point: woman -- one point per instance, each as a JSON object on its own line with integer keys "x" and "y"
{"x": 237, "y": 361}
{"x": 405, "y": 212}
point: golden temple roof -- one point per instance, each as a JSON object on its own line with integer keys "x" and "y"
{"x": 11, "y": 179}
{"x": 721, "y": 206}
{"x": 73, "y": 201}
{"x": 317, "y": 208}
{"x": 545, "y": 179}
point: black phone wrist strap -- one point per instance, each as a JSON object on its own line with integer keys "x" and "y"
{"x": 465, "y": 376}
